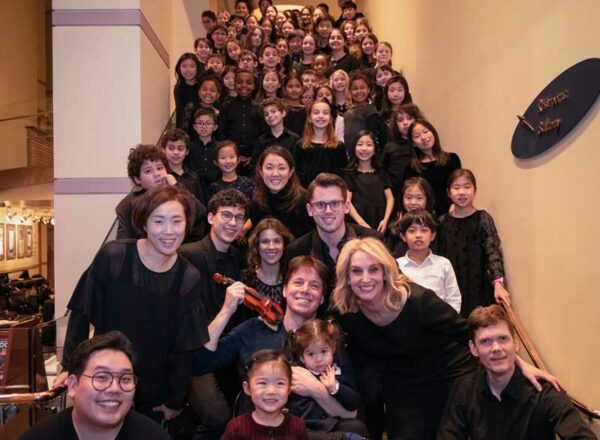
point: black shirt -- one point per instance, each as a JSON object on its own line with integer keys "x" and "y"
{"x": 242, "y": 122}
{"x": 201, "y": 160}
{"x": 60, "y": 427}
{"x": 473, "y": 412}
{"x": 287, "y": 140}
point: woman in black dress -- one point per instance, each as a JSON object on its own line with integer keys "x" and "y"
{"x": 144, "y": 289}
{"x": 408, "y": 346}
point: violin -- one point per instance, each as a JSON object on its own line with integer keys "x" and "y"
{"x": 269, "y": 311}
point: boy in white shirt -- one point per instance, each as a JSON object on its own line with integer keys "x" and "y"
{"x": 417, "y": 230}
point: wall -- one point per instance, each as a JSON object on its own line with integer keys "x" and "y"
{"x": 472, "y": 66}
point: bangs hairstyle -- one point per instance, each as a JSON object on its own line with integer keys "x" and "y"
{"x": 228, "y": 197}
{"x": 332, "y": 141}
{"x": 155, "y": 197}
{"x": 421, "y": 217}
{"x": 426, "y": 189}
{"x": 346, "y": 77}
{"x": 253, "y": 256}
{"x": 396, "y": 78}
{"x": 395, "y": 285}
{"x": 357, "y": 76}
{"x": 182, "y": 58}
{"x": 175, "y": 135}
{"x": 410, "y": 109}
{"x": 139, "y": 154}
{"x": 375, "y": 159}
{"x": 224, "y": 144}
{"x": 292, "y": 193}
{"x": 483, "y": 317}
{"x": 113, "y": 340}
{"x": 199, "y": 40}
{"x": 462, "y": 172}
{"x": 327, "y": 180}
{"x": 311, "y": 331}
{"x": 306, "y": 262}
{"x": 277, "y": 102}
{"x": 264, "y": 357}
{"x": 439, "y": 154}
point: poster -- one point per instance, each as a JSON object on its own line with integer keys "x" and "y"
{"x": 20, "y": 241}
{"x": 28, "y": 241}
{"x": 11, "y": 242}
{"x": 1, "y": 241}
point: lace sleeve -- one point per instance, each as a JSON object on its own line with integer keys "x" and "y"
{"x": 491, "y": 246}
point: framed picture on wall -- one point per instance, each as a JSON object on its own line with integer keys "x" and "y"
{"x": 20, "y": 241}
{"x": 2, "y": 241}
{"x": 28, "y": 241}
{"x": 11, "y": 242}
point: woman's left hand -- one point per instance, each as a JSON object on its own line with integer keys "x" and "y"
{"x": 533, "y": 375}
{"x": 168, "y": 413}
{"x": 382, "y": 226}
{"x": 500, "y": 293}
{"x": 304, "y": 383}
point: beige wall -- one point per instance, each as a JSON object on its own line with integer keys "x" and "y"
{"x": 472, "y": 66}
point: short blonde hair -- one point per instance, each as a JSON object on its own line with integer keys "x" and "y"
{"x": 343, "y": 298}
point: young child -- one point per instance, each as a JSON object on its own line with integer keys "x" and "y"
{"x": 176, "y": 143}
{"x": 296, "y": 115}
{"x": 416, "y": 193}
{"x": 326, "y": 92}
{"x": 219, "y": 38}
{"x": 320, "y": 66}
{"x": 248, "y": 61}
{"x": 382, "y": 74}
{"x": 269, "y": 58}
{"x": 240, "y": 120}
{"x": 268, "y": 382}
{"x": 274, "y": 111}
{"x": 420, "y": 264}
{"x": 395, "y": 95}
{"x": 228, "y": 80}
{"x": 185, "y": 91}
{"x": 369, "y": 189}
{"x": 307, "y": 98}
{"x": 233, "y": 49}
{"x": 362, "y": 115}
{"x": 309, "y": 46}
{"x": 270, "y": 86}
{"x": 468, "y": 238}
{"x": 255, "y": 40}
{"x": 201, "y": 156}
{"x": 315, "y": 346}
{"x": 295, "y": 38}
{"x": 339, "y": 82}
{"x": 227, "y": 160}
{"x": 319, "y": 150}
{"x": 214, "y": 63}
{"x": 308, "y": 78}
{"x": 203, "y": 48}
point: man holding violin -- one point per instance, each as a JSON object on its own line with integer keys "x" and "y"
{"x": 209, "y": 393}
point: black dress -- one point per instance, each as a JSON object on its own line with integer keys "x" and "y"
{"x": 396, "y": 160}
{"x": 368, "y": 194}
{"x": 412, "y": 361}
{"x": 274, "y": 293}
{"x": 473, "y": 247}
{"x": 437, "y": 176}
{"x": 319, "y": 159}
{"x": 161, "y": 313}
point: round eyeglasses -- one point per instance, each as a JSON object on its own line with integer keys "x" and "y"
{"x": 334, "y": 205}
{"x": 102, "y": 380}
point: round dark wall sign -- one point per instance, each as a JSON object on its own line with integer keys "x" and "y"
{"x": 557, "y": 109}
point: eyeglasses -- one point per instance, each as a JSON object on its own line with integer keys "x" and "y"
{"x": 227, "y": 216}
{"x": 334, "y": 205}
{"x": 204, "y": 124}
{"x": 102, "y": 380}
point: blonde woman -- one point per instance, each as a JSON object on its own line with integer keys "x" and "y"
{"x": 407, "y": 344}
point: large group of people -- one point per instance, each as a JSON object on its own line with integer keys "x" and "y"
{"x": 302, "y": 173}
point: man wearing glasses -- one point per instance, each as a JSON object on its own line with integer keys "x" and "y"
{"x": 102, "y": 384}
{"x": 328, "y": 206}
{"x": 227, "y": 213}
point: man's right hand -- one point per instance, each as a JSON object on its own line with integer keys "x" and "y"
{"x": 61, "y": 379}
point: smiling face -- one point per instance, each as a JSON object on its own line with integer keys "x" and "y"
{"x": 418, "y": 237}
{"x": 215, "y": 64}
{"x": 152, "y": 174}
{"x": 275, "y": 172}
{"x": 320, "y": 65}
{"x": 365, "y": 276}
{"x": 382, "y": 77}
{"x": 320, "y": 115}
{"x": 286, "y": 29}
{"x": 396, "y": 93}
{"x": 273, "y": 115}
{"x": 205, "y": 126}
{"x": 246, "y": 62}
{"x": 234, "y": 50}
{"x": 324, "y": 93}
{"x": 224, "y": 232}
{"x": 360, "y": 32}
{"x": 462, "y": 192}
{"x": 328, "y": 220}
{"x": 271, "y": 12}
{"x": 229, "y": 80}
{"x": 383, "y": 54}
{"x": 293, "y": 89}
{"x": 271, "y": 83}
{"x": 97, "y": 410}
{"x": 269, "y": 388}
{"x": 318, "y": 356}
{"x": 244, "y": 84}
{"x": 219, "y": 37}
{"x": 336, "y": 40}
{"x": 165, "y": 228}
{"x": 282, "y": 48}
{"x": 414, "y": 198}
{"x": 227, "y": 160}
{"x": 303, "y": 293}
{"x": 324, "y": 29}
{"x": 496, "y": 348}
{"x": 339, "y": 83}
{"x": 365, "y": 149}
{"x": 256, "y": 38}
{"x": 308, "y": 45}
{"x": 270, "y": 58}
{"x": 189, "y": 71}
{"x": 403, "y": 120}
{"x": 367, "y": 46}
{"x": 359, "y": 90}
{"x": 208, "y": 93}
{"x": 203, "y": 50}
{"x": 270, "y": 247}
{"x": 267, "y": 27}
{"x": 423, "y": 138}
{"x": 176, "y": 152}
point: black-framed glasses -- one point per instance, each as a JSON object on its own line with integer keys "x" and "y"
{"x": 102, "y": 380}
{"x": 204, "y": 124}
{"x": 227, "y": 216}
{"x": 334, "y": 205}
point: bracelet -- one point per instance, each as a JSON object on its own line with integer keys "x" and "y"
{"x": 337, "y": 388}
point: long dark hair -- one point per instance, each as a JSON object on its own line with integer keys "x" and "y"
{"x": 253, "y": 257}
{"x": 439, "y": 154}
{"x": 186, "y": 56}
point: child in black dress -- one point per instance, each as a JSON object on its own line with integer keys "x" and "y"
{"x": 468, "y": 238}
{"x": 369, "y": 189}
{"x": 362, "y": 115}
{"x": 185, "y": 91}
{"x": 227, "y": 159}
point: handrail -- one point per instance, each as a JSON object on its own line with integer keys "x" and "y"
{"x": 14, "y": 118}
{"x": 28, "y": 398}
{"x": 537, "y": 360}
